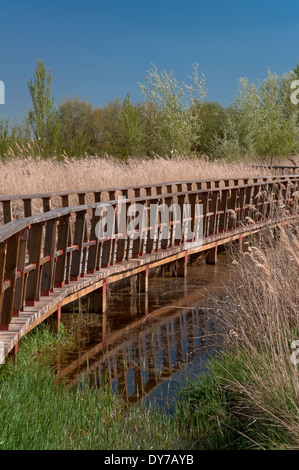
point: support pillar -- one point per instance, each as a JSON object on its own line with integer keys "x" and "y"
{"x": 98, "y": 299}
{"x": 212, "y": 256}
{"x": 143, "y": 281}
{"x": 146, "y": 305}
{"x": 13, "y": 354}
{"x": 55, "y": 320}
{"x": 182, "y": 266}
{"x": 104, "y": 329}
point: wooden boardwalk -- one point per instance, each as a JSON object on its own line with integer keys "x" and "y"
{"x": 50, "y": 259}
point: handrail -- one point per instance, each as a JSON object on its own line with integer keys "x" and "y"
{"x": 44, "y": 199}
{"x": 16, "y": 226}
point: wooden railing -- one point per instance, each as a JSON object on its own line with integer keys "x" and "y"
{"x": 42, "y": 253}
{"x": 32, "y": 204}
{"x": 283, "y": 169}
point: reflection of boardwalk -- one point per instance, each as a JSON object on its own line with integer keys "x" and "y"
{"x": 154, "y": 351}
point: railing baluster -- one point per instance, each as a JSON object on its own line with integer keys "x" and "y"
{"x": 19, "y": 299}
{"x": 47, "y": 281}
{"x": 78, "y": 240}
{"x": 12, "y": 254}
{"x": 3, "y": 251}
{"x": 35, "y": 247}
{"x": 62, "y": 244}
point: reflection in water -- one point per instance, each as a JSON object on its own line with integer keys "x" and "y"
{"x": 145, "y": 346}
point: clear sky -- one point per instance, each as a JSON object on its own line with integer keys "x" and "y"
{"x": 99, "y": 50}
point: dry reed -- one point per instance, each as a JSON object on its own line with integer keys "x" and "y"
{"x": 259, "y": 317}
{"x": 27, "y": 175}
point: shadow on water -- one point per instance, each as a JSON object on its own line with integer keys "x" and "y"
{"x": 147, "y": 346}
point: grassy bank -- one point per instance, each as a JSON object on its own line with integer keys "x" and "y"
{"x": 36, "y": 413}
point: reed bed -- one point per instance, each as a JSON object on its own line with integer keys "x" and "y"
{"x": 251, "y": 397}
{"x": 27, "y": 175}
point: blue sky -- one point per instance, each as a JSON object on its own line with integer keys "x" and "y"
{"x": 99, "y": 50}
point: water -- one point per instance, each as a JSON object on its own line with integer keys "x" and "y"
{"x": 147, "y": 346}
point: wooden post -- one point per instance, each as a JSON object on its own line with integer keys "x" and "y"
{"x": 98, "y": 299}
{"x": 10, "y": 275}
{"x": 62, "y": 243}
{"x": 55, "y": 320}
{"x": 82, "y": 201}
{"x": 21, "y": 281}
{"x": 232, "y": 206}
{"x": 212, "y": 256}
{"x": 182, "y": 266}
{"x": 78, "y": 240}
{"x": 146, "y": 305}
{"x": 3, "y": 251}
{"x": 204, "y": 201}
{"x": 192, "y": 201}
{"x": 223, "y": 209}
{"x": 108, "y": 247}
{"x": 47, "y": 281}
{"x": 143, "y": 280}
{"x": 93, "y": 250}
{"x": 35, "y": 247}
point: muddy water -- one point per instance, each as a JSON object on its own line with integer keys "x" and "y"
{"x": 146, "y": 346}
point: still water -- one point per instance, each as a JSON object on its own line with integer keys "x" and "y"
{"x": 147, "y": 345}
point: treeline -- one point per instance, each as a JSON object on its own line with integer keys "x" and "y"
{"x": 173, "y": 119}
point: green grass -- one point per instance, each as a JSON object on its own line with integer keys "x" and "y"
{"x": 36, "y": 413}
{"x": 210, "y": 413}
{"x": 221, "y": 413}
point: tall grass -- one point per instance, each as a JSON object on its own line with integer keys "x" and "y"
{"x": 253, "y": 385}
{"x": 27, "y": 175}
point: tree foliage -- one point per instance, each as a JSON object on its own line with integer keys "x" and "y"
{"x": 172, "y": 119}
{"x": 169, "y": 110}
{"x": 43, "y": 118}
{"x": 261, "y": 121}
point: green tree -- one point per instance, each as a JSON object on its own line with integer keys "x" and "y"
{"x": 212, "y": 116}
{"x": 131, "y": 128}
{"x": 169, "y": 108}
{"x": 80, "y": 127}
{"x": 85, "y": 129}
{"x": 262, "y": 121}
{"x": 43, "y": 118}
